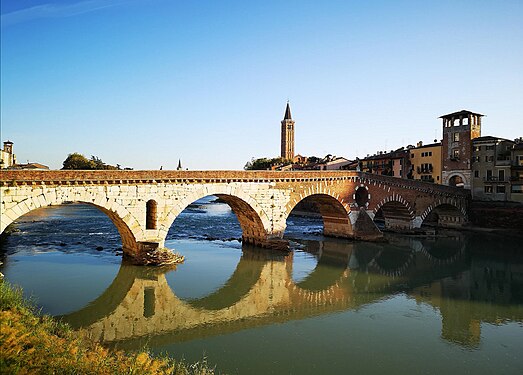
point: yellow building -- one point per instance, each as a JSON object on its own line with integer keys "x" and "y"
{"x": 426, "y": 162}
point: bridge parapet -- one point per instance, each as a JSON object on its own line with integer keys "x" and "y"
{"x": 426, "y": 187}
{"x": 9, "y": 177}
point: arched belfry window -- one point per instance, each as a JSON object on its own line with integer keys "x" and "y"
{"x": 150, "y": 215}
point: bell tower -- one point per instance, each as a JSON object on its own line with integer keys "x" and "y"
{"x": 287, "y": 135}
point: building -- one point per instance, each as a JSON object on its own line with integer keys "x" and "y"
{"x": 516, "y": 171}
{"x": 335, "y": 163}
{"x": 426, "y": 162}
{"x": 394, "y": 163}
{"x": 299, "y": 159}
{"x": 30, "y": 166}
{"x": 287, "y": 135}
{"x": 491, "y": 168}
{"x": 8, "y": 160}
{"x": 7, "y": 157}
{"x": 459, "y": 129}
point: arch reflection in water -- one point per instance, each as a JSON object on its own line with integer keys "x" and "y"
{"x": 141, "y": 307}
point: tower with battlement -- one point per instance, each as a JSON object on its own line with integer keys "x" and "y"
{"x": 459, "y": 129}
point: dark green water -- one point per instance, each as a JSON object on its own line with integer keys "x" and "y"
{"x": 451, "y": 304}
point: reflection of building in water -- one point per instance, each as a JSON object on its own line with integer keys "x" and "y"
{"x": 488, "y": 284}
{"x": 140, "y": 306}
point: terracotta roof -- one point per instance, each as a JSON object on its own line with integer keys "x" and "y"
{"x": 30, "y": 166}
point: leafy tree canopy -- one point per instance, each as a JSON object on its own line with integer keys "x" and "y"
{"x": 265, "y": 163}
{"x": 78, "y": 161}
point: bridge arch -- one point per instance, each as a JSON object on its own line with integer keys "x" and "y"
{"x": 444, "y": 212}
{"x": 254, "y": 221}
{"x": 333, "y": 210}
{"x": 122, "y": 219}
{"x": 395, "y": 211}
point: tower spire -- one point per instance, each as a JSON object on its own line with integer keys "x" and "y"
{"x": 287, "y": 112}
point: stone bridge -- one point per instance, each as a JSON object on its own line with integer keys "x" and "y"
{"x": 144, "y": 204}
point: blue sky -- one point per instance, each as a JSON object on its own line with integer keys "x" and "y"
{"x": 145, "y": 83}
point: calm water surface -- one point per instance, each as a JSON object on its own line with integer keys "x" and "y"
{"x": 451, "y": 304}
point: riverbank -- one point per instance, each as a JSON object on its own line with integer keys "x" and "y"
{"x": 34, "y": 343}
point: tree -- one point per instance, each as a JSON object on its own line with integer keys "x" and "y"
{"x": 264, "y": 163}
{"x": 79, "y": 162}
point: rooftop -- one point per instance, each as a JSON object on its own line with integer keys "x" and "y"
{"x": 426, "y": 146}
{"x": 463, "y": 112}
{"x": 488, "y": 138}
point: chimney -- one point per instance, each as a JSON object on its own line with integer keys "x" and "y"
{"x": 419, "y": 144}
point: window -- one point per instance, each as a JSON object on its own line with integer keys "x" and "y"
{"x": 517, "y": 189}
{"x": 455, "y": 137}
{"x": 489, "y": 158}
{"x": 488, "y": 189}
{"x": 476, "y": 174}
{"x": 501, "y": 175}
{"x": 500, "y": 189}
{"x": 455, "y": 153}
{"x": 477, "y": 148}
{"x": 489, "y": 174}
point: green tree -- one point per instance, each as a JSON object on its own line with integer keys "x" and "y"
{"x": 261, "y": 164}
{"x": 79, "y": 162}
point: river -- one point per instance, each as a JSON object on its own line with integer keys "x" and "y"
{"x": 452, "y": 303}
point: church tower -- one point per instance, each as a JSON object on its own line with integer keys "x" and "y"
{"x": 287, "y": 135}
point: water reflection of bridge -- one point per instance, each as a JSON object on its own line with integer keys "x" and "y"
{"x": 140, "y": 306}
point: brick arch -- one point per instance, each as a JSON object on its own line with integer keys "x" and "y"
{"x": 441, "y": 202}
{"x": 395, "y": 208}
{"x": 333, "y": 209}
{"x": 254, "y": 221}
{"x": 122, "y": 219}
{"x": 318, "y": 189}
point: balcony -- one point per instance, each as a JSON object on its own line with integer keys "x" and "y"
{"x": 495, "y": 179}
{"x": 424, "y": 170}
